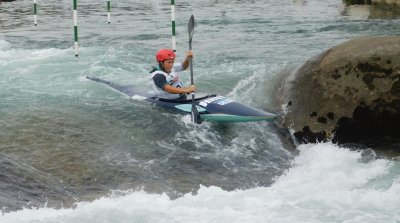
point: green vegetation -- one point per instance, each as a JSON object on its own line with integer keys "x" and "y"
{"x": 357, "y": 2}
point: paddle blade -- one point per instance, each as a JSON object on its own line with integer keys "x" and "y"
{"x": 191, "y": 27}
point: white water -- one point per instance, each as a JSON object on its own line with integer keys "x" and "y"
{"x": 325, "y": 184}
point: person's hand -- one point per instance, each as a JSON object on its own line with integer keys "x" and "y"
{"x": 185, "y": 63}
{"x": 189, "y": 54}
{"x": 191, "y": 88}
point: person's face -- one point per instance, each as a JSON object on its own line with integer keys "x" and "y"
{"x": 168, "y": 64}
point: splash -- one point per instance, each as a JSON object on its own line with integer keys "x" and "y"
{"x": 4, "y": 44}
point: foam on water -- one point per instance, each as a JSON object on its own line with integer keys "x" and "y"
{"x": 3, "y": 43}
{"x": 325, "y": 184}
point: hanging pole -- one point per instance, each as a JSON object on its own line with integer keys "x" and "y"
{"x": 75, "y": 28}
{"x": 108, "y": 11}
{"x": 34, "y": 13}
{"x": 173, "y": 25}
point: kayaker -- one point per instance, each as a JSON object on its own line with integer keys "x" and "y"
{"x": 165, "y": 74}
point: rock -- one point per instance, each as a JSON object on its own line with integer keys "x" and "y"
{"x": 348, "y": 94}
{"x": 389, "y": 4}
{"x": 386, "y": 3}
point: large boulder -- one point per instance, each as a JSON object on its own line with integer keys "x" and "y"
{"x": 348, "y": 94}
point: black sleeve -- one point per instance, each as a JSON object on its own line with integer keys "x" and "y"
{"x": 160, "y": 80}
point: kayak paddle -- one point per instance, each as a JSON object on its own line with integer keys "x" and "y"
{"x": 195, "y": 113}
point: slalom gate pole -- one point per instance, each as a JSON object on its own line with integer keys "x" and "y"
{"x": 34, "y": 12}
{"x": 173, "y": 25}
{"x": 108, "y": 11}
{"x": 75, "y": 28}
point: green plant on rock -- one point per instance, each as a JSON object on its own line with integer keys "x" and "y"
{"x": 357, "y": 2}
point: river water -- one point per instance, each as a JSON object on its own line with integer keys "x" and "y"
{"x": 72, "y": 150}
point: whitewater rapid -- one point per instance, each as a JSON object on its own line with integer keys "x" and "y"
{"x": 325, "y": 184}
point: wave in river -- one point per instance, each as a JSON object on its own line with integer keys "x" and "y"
{"x": 326, "y": 184}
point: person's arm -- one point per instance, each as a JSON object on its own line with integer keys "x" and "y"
{"x": 175, "y": 90}
{"x": 161, "y": 82}
{"x": 185, "y": 63}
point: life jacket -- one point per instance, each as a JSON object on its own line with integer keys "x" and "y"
{"x": 172, "y": 79}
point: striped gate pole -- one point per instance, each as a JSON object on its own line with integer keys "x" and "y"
{"x": 173, "y": 25}
{"x": 108, "y": 11}
{"x": 34, "y": 13}
{"x": 75, "y": 28}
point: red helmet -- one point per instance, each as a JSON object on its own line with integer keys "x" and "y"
{"x": 165, "y": 54}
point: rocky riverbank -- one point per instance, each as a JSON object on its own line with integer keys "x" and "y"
{"x": 386, "y": 2}
{"x": 389, "y": 4}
